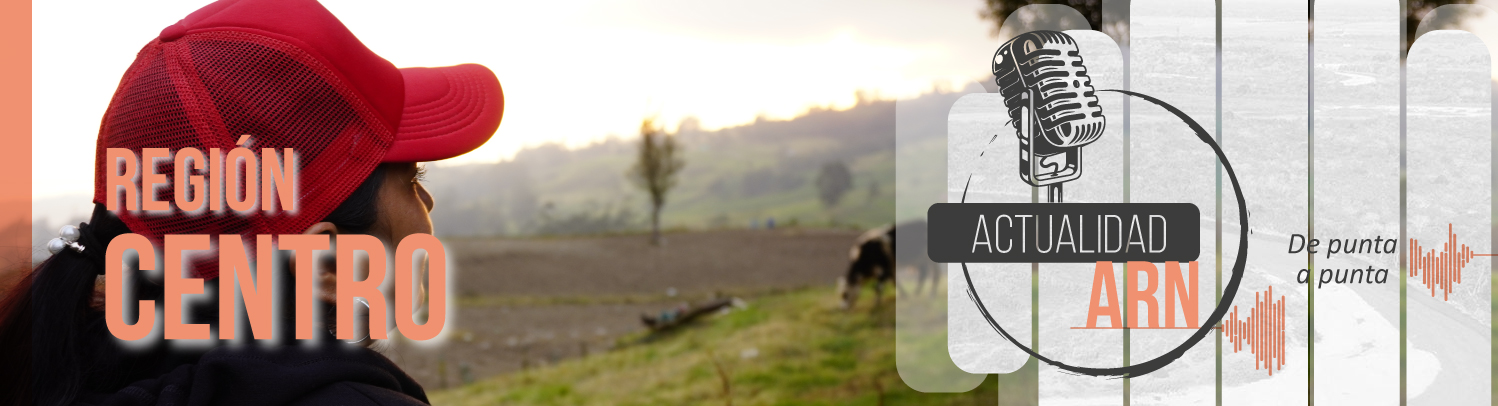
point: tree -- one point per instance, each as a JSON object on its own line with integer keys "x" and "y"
{"x": 655, "y": 171}
{"x": 1417, "y": 10}
{"x": 996, "y": 11}
{"x": 833, "y": 182}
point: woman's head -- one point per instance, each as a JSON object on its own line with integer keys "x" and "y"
{"x": 281, "y": 75}
{"x": 261, "y": 75}
{"x": 392, "y": 205}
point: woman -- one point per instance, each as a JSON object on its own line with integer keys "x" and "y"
{"x": 255, "y": 74}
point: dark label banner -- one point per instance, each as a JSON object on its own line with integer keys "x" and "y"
{"x": 1063, "y": 232}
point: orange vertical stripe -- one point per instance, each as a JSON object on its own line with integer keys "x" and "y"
{"x": 1254, "y": 345}
{"x": 1446, "y": 268}
{"x": 1259, "y": 331}
{"x": 15, "y": 129}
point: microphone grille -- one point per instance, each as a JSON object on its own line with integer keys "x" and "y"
{"x": 1047, "y": 65}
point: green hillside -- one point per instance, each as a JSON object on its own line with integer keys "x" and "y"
{"x": 795, "y": 348}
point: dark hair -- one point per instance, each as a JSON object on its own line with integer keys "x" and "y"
{"x": 55, "y": 347}
{"x": 358, "y": 213}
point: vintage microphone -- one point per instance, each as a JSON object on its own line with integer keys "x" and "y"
{"x": 1052, "y": 105}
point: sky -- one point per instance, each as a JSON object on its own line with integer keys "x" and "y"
{"x": 573, "y": 72}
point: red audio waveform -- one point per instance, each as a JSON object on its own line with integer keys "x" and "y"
{"x": 1263, "y": 331}
{"x": 1444, "y": 269}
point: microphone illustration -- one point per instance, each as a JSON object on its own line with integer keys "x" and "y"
{"x": 1051, "y": 104}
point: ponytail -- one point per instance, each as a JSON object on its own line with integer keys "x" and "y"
{"x": 55, "y": 347}
{"x": 68, "y": 347}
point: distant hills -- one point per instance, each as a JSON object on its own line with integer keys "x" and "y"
{"x": 737, "y": 177}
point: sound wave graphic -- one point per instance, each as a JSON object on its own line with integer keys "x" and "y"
{"x": 1442, "y": 270}
{"x": 1263, "y": 331}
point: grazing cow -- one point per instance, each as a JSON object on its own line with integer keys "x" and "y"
{"x": 875, "y": 257}
{"x": 871, "y": 258}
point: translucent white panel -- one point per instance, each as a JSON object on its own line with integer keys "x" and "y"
{"x": 1173, "y": 59}
{"x": 1265, "y": 135}
{"x": 1065, "y": 287}
{"x": 980, "y": 169}
{"x": 1449, "y": 149}
{"x": 1357, "y": 197}
{"x": 921, "y": 321}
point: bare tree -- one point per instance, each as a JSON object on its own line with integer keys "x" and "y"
{"x": 655, "y": 170}
{"x": 833, "y": 182}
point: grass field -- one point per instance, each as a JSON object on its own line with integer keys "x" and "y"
{"x": 795, "y": 348}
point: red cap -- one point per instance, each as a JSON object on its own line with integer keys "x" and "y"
{"x": 290, "y": 75}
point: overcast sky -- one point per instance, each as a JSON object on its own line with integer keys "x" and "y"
{"x": 572, "y": 71}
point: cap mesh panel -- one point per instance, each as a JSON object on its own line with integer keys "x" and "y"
{"x": 203, "y": 91}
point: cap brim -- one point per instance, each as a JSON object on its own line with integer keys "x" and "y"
{"x": 448, "y": 112}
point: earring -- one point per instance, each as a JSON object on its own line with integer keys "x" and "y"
{"x": 68, "y": 238}
{"x": 333, "y": 325}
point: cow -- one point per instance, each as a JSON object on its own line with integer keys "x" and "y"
{"x": 875, "y": 257}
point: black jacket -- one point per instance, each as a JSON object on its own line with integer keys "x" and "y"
{"x": 290, "y": 375}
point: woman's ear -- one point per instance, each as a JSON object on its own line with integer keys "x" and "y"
{"x": 327, "y": 279}
{"x": 322, "y": 228}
